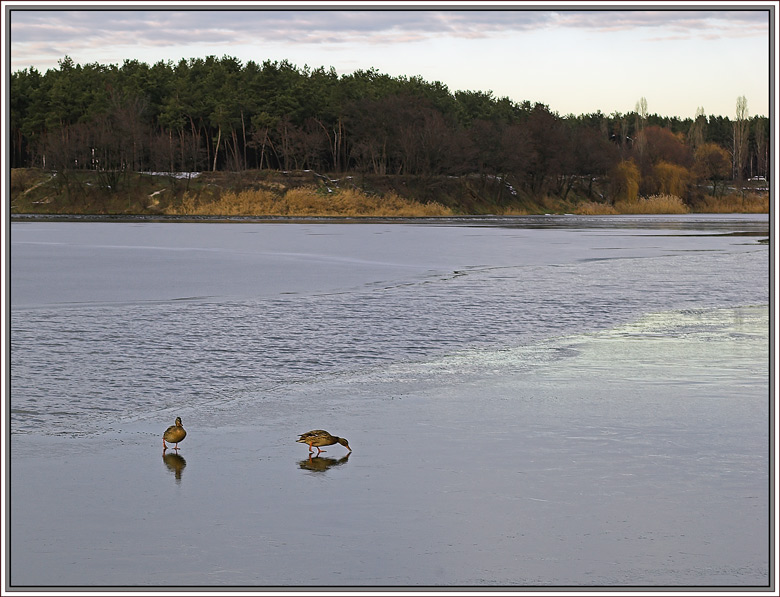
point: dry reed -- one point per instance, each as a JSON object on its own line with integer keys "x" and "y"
{"x": 656, "y": 204}
{"x": 307, "y": 201}
{"x": 592, "y": 208}
{"x": 750, "y": 203}
{"x": 510, "y": 211}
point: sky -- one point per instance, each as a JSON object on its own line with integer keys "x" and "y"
{"x": 572, "y": 57}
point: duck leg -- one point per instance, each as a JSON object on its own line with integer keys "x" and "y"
{"x": 310, "y": 450}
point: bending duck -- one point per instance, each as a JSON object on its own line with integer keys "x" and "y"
{"x": 174, "y": 434}
{"x": 319, "y": 437}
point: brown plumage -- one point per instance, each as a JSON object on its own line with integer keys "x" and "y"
{"x": 319, "y": 437}
{"x": 174, "y": 434}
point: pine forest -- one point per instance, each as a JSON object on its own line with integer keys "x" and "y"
{"x": 82, "y": 134}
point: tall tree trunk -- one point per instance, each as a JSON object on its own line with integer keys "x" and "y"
{"x": 194, "y": 145}
{"x": 181, "y": 148}
{"x": 340, "y": 163}
{"x": 216, "y": 148}
{"x": 236, "y": 153}
{"x": 243, "y": 130}
{"x": 170, "y": 151}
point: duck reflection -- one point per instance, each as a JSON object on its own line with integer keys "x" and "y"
{"x": 319, "y": 464}
{"x": 175, "y": 464}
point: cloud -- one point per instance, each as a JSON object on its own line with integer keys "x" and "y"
{"x": 45, "y": 36}
{"x": 310, "y": 26}
{"x": 679, "y": 24}
{"x": 222, "y": 26}
{"x": 55, "y": 33}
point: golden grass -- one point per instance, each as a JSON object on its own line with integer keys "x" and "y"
{"x": 592, "y": 208}
{"x": 307, "y": 201}
{"x": 671, "y": 204}
{"x": 750, "y": 203}
{"x": 656, "y": 204}
{"x": 510, "y": 211}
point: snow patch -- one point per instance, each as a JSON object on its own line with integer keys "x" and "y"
{"x": 174, "y": 174}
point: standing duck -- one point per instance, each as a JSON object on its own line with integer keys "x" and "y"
{"x": 318, "y": 438}
{"x": 174, "y": 434}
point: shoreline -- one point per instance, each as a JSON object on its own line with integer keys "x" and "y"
{"x": 301, "y": 194}
{"x": 486, "y": 218}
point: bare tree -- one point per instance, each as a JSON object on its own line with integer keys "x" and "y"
{"x": 762, "y": 146}
{"x": 698, "y": 127}
{"x": 741, "y": 133}
{"x": 640, "y": 142}
{"x": 641, "y": 112}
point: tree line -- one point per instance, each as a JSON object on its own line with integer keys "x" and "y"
{"x": 219, "y": 114}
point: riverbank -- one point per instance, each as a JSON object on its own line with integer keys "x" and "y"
{"x": 307, "y": 193}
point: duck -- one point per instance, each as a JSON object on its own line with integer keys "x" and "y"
{"x": 174, "y": 434}
{"x": 320, "y": 437}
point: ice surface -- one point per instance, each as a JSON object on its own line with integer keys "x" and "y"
{"x": 527, "y": 407}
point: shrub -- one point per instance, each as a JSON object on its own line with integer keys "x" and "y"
{"x": 672, "y": 179}
{"x": 712, "y": 163}
{"x": 625, "y": 181}
{"x": 22, "y": 180}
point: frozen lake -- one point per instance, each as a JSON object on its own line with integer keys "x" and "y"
{"x": 531, "y": 402}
